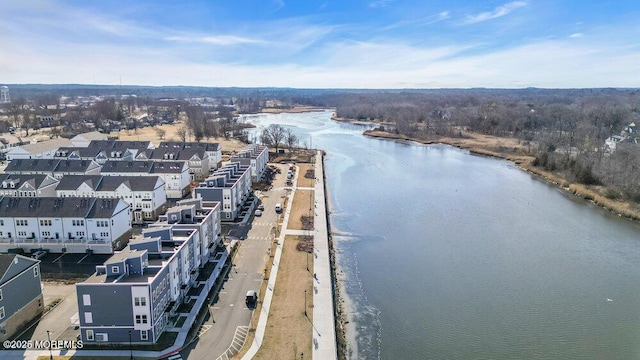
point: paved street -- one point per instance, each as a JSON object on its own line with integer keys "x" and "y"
{"x": 228, "y": 314}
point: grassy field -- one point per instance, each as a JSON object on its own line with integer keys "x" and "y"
{"x": 301, "y": 204}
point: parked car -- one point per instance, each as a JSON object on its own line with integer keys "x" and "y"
{"x": 278, "y": 208}
{"x": 252, "y": 298}
{"x": 261, "y": 207}
{"x": 258, "y": 212}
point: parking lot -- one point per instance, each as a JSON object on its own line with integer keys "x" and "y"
{"x": 70, "y": 266}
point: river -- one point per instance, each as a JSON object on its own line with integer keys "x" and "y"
{"x": 447, "y": 255}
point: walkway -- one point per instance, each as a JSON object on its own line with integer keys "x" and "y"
{"x": 324, "y": 333}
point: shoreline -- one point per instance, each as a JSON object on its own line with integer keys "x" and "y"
{"x": 293, "y": 110}
{"x": 342, "y": 303}
{"x": 620, "y": 208}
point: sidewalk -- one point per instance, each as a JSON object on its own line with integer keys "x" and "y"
{"x": 324, "y": 332}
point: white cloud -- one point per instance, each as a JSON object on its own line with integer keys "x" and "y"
{"x": 380, "y": 3}
{"x": 222, "y": 40}
{"x": 444, "y": 15}
{"x": 499, "y": 11}
{"x": 576, "y": 35}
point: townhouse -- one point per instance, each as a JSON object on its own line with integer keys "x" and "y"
{"x": 137, "y": 293}
{"x": 20, "y": 293}
{"x": 196, "y": 159}
{"x": 145, "y": 194}
{"x": 27, "y": 185}
{"x": 121, "y": 150}
{"x": 68, "y": 224}
{"x": 175, "y": 174}
{"x": 53, "y": 167}
{"x": 213, "y": 151}
{"x": 40, "y": 150}
{"x": 256, "y": 156}
{"x": 230, "y": 185}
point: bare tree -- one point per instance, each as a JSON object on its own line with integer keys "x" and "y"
{"x": 290, "y": 139}
{"x": 182, "y": 133}
{"x": 273, "y": 136}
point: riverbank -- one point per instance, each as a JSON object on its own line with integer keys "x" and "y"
{"x": 293, "y": 110}
{"x": 511, "y": 150}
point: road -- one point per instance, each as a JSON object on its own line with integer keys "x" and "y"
{"x": 229, "y": 311}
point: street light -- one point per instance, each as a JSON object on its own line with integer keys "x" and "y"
{"x": 305, "y": 303}
{"x": 130, "y": 346}
{"x": 49, "y": 338}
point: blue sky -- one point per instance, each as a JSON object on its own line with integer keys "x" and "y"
{"x": 323, "y": 43}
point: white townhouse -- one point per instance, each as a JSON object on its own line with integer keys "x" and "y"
{"x": 197, "y": 160}
{"x": 40, "y": 150}
{"x": 213, "y": 151}
{"x": 75, "y": 225}
{"x": 145, "y": 194}
{"x": 175, "y": 174}
{"x": 18, "y": 185}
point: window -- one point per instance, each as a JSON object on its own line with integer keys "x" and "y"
{"x": 104, "y": 234}
{"x": 1, "y": 222}
{"x": 22, "y": 223}
{"x": 141, "y": 319}
{"x": 88, "y": 317}
{"x": 1, "y": 313}
{"x": 89, "y": 335}
{"x": 80, "y": 233}
{"x": 140, "y": 301}
{"x": 45, "y": 222}
{"x": 46, "y": 233}
{"x": 115, "y": 269}
{"x": 144, "y": 335}
{"x": 22, "y": 233}
{"x": 77, "y": 222}
{"x": 36, "y": 271}
{"x": 86, "y": 299}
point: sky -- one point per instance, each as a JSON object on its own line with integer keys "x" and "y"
{"x": 322, "y": 43}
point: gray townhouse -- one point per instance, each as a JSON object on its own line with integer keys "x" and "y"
{"x": 230, "y": 185}
{"x": 256, "y": 156}
{"x": 136, "y": 294}
{"x": 116, "y": 150}
{"x": 58, "y": 225}
{"x": 20, "y": 293}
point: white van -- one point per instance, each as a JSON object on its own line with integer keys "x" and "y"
{"x": 278, "y": 208}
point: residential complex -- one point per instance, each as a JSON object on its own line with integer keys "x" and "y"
{"x": 20, "y": 293}
{"x": 136, "y": 294}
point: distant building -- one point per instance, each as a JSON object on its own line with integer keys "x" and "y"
{"x": 4, "y": 95}
{"x": 20, "y": 293}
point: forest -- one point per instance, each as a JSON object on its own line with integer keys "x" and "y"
{"x": 588, "y": 136}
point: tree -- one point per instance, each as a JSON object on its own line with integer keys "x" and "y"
{"x": 273, "y": 136}
{"x": 182, "y": 133}
{"x": 160, "y": 133}
{"x": 290, "y": 139}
